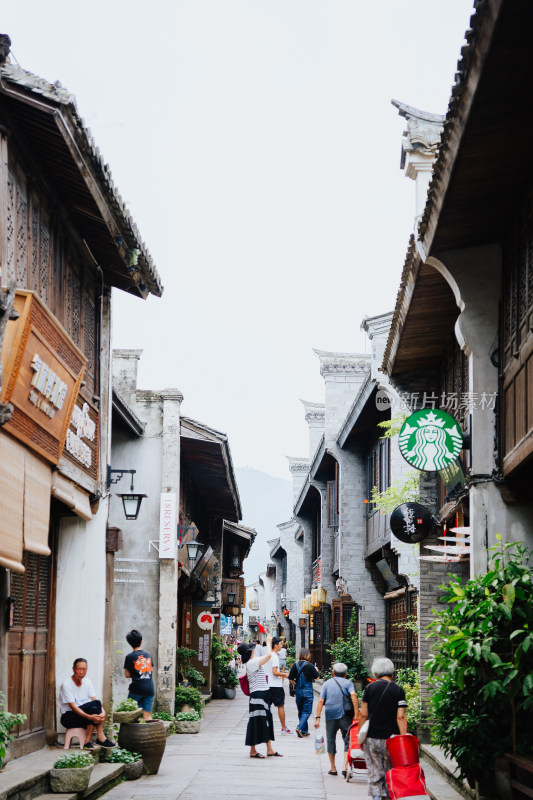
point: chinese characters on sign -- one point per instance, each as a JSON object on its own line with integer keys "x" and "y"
{"x": 84, "y": 428}
{"x": 411, "y": 522}
{"x": 50, "y": 391}
{"x": 452, "y": 402}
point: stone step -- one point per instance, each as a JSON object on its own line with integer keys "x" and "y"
{"x": 27, "y": 777}
{"x": 444, "y": 769}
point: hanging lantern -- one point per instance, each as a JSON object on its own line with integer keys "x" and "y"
{"x": 322, "y": 595}
{"x": 308, "y": 605}
{"x": 314, "y": 598}
{"x": 303, "y": 609}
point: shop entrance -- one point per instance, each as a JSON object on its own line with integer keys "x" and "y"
{"x": 28, "y": 643}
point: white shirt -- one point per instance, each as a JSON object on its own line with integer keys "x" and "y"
{"x": 256, "y": 676}
{"x": 283, "y": 652}
{"x": 274, "y": 680}
{"x": 70, "y": 693}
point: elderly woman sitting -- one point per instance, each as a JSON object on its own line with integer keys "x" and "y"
{"x": 384, "y": 706}
{"x": 260, "y": 725}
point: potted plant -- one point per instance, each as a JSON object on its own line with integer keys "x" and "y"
{"x": 133, "y": 763}
{"x": 187, "y": 722}
{"x": 349, "y": 651}
{"x": 127, "y": 711}
{"x": 184, "y": 656}
{"x": 482, "y": 666}
{"x": 228, "y": 679}
{"x": 8, "y": 721}
{"x": 221, "y": 656}
{"x": 187, "y": 698}
{"x": 71, "y": 773}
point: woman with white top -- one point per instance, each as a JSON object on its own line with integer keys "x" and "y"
{"x": 260, "y": 725}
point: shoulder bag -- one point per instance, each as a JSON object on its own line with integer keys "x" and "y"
{"x": 346, "y": 700}
{"x": 245, "y": 686}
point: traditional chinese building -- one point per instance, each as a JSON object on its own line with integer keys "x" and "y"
{"x": 185, "y": 470}
{"x": 66, "y": 239}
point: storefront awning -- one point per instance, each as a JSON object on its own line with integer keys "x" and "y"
{"x": 71, "y": 496}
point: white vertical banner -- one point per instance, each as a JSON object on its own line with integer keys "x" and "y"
{"x": 168, "y": 534}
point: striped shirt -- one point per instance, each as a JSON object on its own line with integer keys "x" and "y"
{"x": 256, "y": 676}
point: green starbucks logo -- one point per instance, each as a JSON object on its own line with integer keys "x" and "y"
{"x": 430, "y": 440}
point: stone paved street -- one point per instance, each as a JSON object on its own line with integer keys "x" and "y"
{"x": 215, "y": 764}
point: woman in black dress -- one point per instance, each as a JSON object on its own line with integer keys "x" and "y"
{"x": 260, "y": 725}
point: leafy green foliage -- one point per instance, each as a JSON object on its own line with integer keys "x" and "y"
{"x": 414, "y": 704}
{"x": 8, "y": 721}
{"x": 220, "y": 653}
{"x": 228, "y": 677}
{"x": 189, "y": 696}
{"x": 195, "y": 677}
{"x": 406, "y": 676}
{"x": 350, "y": 652}
{"x": 162, "y": 715}
{"x": 187, "y": 716}
{"x": 392, "y": 427}
{"x": 127, "y": 705}
{"x": 402, "y": 490}
{"x": 291, "y": 653}
{"x": 74, "y": 761}
{"x": 121, "y": 756}
{"x": 482, "y": 668}
{"x": 184, "y": 656}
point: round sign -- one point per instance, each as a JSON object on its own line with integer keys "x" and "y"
{"x": 411, "y": 522}
{"x": 430, "y": 440}
{"x": 205, "y": 620}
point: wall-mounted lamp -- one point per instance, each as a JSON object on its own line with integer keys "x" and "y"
{"x": 193, "y": 549}
{"x": 231, "y": 598}
{"x": 235, "y": 560}
{"x": 131, "y": 501}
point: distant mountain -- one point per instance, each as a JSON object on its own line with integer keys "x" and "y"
{"x": 266, "y": 501}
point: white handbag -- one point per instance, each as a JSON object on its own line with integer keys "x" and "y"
{"x": 363, "y": 732}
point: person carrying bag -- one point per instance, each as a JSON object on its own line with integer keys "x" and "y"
{"x": 301, "y": 677}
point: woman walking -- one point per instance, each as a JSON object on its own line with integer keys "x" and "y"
{"x": 384, "y": 706}
{"x": 260, "y": 725}
{"x": 302, "y": 675}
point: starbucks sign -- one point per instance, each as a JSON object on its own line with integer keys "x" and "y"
{"x": 430, "y": 440}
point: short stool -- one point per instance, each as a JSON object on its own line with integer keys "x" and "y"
{"x": 71, "y": 733}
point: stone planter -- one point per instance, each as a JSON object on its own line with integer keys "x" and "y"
{"x": 127, "y": 716}
{"x": 70, "y": 780}
{"x": 133, "y": 771}
{"x": 218, "y": 692}
{"x": 187, "y": 727}
{"x": 147, "y": 738}
{"x": 230, "y": 693}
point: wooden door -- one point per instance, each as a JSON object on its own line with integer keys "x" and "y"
{"x": 402, "y": 641}
{"x": 28, "y": 642}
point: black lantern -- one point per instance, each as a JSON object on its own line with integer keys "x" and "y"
{"x": 231, "y": 598}
{"x": 131, "y": 501}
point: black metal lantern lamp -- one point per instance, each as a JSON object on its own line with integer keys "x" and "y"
{"x": 130, "y": 501}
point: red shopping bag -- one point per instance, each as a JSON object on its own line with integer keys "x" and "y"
{"x": 245, "y": 686}
{"x": 406, "y": 781}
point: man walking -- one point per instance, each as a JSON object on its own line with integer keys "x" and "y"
{"x": 339, "y": 697}
{"x": 275, "y": 682}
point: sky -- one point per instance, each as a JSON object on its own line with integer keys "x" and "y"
{"x": 256, "y": 147}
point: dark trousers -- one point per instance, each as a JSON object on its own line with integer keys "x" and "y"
{"x": 304, "y": 704}
{"x": 72, "y": 720}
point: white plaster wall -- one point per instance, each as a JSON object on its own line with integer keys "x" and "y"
{"x": 80, "y": 603}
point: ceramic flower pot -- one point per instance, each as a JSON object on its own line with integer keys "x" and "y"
{"x": 147, "y": 738}
{"x": 133, "y": 771}
{"x": 192, "y": 726}
{"x": 230, "y": 694}
{"x": 127, "y": 716}
{"x": 218, "y": 692}
{"x": 70, "y": 780}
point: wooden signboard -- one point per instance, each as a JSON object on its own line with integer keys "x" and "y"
{"x": 42, "y": 371}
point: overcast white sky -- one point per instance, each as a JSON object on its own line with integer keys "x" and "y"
{"x": 258, "y": 152}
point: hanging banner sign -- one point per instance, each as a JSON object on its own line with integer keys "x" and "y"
{"x": 430, "y": 440}
{"x": 411, "y": 522}
{"x": 168, "y": 535}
